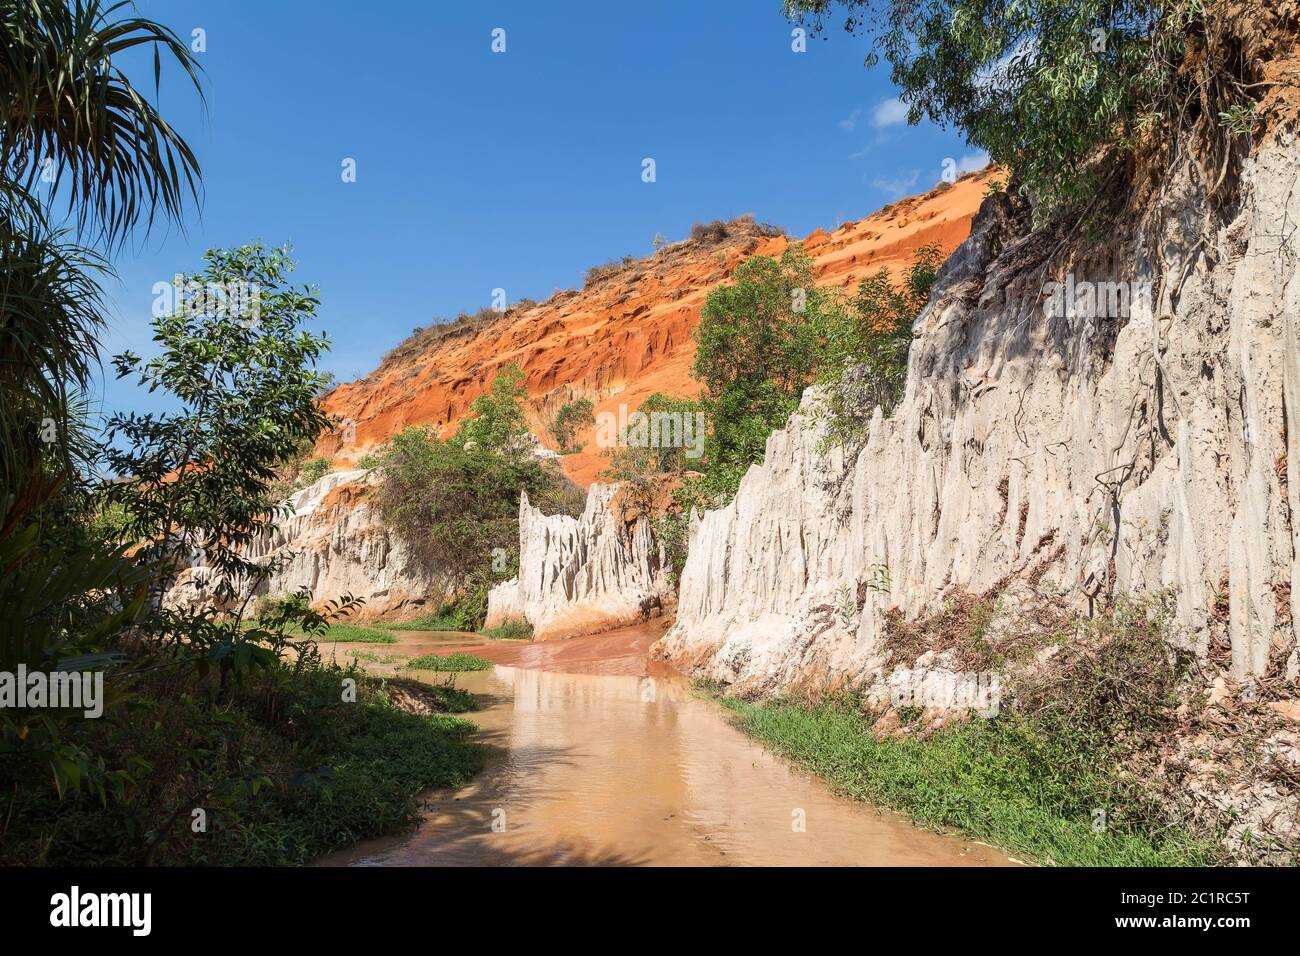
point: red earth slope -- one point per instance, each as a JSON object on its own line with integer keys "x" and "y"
{"x": 623, "y": 336}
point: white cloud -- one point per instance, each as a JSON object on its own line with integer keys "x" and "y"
{"x": 996, "y": 76}
{"x": 897, "y": 186}
{"x": 889, "y": 113}
{"x": 972, "y": 162}
{"x": 883, "y": 114}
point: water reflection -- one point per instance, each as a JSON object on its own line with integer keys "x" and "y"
{"x": 635, "y": 768}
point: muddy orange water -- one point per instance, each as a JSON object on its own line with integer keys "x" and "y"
{"x": 601, "y": 756}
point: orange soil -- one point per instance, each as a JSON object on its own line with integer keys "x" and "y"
{"x": 623, "y": 337}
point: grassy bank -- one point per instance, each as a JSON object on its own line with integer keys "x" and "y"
{"x": 449, "y": 662}
{"x": 354, "y": 634}
{"x": 281, "y": 769}
{"x": 429, "y": 622}
{"x": 1009, "y": 781}
{"x": 337, "y": 632}
{"x": 509, "y": 631}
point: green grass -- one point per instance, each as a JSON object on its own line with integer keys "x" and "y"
{"x": 373, "y": 658}
{"x": 1005, "y": 781}
{"x": 430, "y": 622}
{"x": 355, "y": 634}
{"x": 511, "y": 630}
{"x": 449, "y": 662}
{"x": 339, "y": 633}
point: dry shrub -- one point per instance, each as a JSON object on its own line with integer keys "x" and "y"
{"x": 1118, "y": 677}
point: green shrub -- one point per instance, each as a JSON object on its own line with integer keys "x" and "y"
{"x": 338, "y": 632}
{"x": 761, "y": 340}
{"x": 287, "y": 611}
{"x": 270, "y": 605}
{"x": 285, "y": 771}
{"x": 863, "y": 347}
{"x": 313, "y": 470}
{"x": 672, "y": 531}
{"x": 755, "y": 353}
{"x": 571, "y": 416}
{"x": 439, "y": 621}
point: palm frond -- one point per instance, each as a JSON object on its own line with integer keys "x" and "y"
{"x": 66, "y": 106}
{"x": 50, "y": 318}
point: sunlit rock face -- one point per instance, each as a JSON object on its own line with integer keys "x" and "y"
{"x": 1084, "y": 453}
{"x": 622, "y": 337}
{"x": 582, "y": 575}
{"x": 334, "y": 544}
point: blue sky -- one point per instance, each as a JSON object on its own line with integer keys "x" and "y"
{"x": 477, "y": 170}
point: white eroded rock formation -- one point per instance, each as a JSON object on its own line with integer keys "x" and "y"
{"x": 581, "y": 575}
{"x": 1134, "y": 453}
{"x": 335, "y": 543}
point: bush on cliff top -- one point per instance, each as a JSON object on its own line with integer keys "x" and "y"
{"x": 755, "y": 352}
{"x": 863, "y": 349}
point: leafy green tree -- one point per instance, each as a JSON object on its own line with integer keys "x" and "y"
{"x": 66, "y": 108}
{"x": 496, "y": 422}
{"x": 201, "y": 478}
{"x": 313, "y": 470}
{"x": 761, "y": 340}
{"x": 863, "y": 348}
{"x": 666, "y": 448}
{"x": 1041, "y": 86}
{"x": 572, "y": 416}
{"x": 755, "y": 353}
{"x": 455, "y": 502}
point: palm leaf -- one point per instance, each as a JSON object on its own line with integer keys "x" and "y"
{"x": 117, "y": 161}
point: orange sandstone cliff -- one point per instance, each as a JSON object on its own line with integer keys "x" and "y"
{"x": 625, "y": 335}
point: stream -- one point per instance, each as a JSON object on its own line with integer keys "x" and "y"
{"x": 599, "y": 755}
